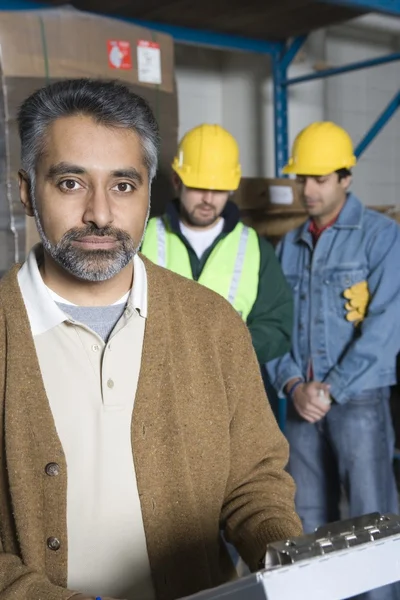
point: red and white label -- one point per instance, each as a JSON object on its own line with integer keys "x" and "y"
{"x": 119, "y": 54}
{"x": 149, "y": 62}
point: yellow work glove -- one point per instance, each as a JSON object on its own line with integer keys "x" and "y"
{"x": 358, "y": 296}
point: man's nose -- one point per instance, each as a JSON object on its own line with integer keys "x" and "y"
{"x": 309, "y": 186}
{"x": 98, "y": 209}
{"x": 208, "y": 197}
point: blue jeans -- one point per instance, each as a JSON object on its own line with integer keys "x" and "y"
{"x": 351, "y": 449}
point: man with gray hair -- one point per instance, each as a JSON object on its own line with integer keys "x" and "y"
{"x": 133, "y": 420}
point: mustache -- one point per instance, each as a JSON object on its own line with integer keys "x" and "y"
{"x": 209, "y": 206}
{"x": 79, "y": 233}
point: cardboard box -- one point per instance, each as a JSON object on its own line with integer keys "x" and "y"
{"x": 272, "y": 226}
{"x": 43, "y": 46}
{"x": 388, "y": 210}
{"x": 271, "y": 206}
{"x": 269, "y": 195}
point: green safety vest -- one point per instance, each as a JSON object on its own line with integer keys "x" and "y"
{"x": 231, "y": 270}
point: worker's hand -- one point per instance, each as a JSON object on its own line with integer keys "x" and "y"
{"x": 358, "y": 296}
{"x": 312, "y": 400}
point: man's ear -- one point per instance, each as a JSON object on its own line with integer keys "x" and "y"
{"x": 176, "y": 182}
{"x": 25, "y": 192}
{"x": 346, "y": 182}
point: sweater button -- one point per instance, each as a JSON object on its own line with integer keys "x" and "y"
{"x": 52, "y": 469}
{"x": 53, "y": 543}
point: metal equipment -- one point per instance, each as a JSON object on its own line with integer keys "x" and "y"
{"x": 338, "y": 561}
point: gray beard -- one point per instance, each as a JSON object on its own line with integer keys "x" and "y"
{"x": 89, "y": 265}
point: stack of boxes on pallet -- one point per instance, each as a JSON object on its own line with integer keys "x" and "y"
{"x": 273, "y": 206}
{"x": 43, "y": 46}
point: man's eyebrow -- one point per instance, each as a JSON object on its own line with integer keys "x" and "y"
{"x": 64, "y": 168}
{"x": 129, "y": 173}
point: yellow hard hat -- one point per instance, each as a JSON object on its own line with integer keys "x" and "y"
{"x": 208, "y": 159}
{"x": 320, "y": 149}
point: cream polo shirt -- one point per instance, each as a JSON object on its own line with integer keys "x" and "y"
{"x": 91, "y": 388}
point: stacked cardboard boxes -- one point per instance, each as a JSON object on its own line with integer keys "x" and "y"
{"x": 272, "y": 206}
{"x": 39, "y": 47}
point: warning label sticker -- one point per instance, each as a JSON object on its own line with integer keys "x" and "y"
{"x": 119, "y": 54}
{"x": 149, "y": 62}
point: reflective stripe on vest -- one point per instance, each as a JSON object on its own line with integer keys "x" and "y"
{"x": 237, "y": 272}
{"x": 231, "y": 270}
{"x": 161, "y": 243}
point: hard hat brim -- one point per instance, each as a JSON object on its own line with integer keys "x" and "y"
{"x": 292, "y": 169}
{"x": 204, "y": 182}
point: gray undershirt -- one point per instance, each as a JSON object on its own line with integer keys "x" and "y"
{"x": 100, "y": 319}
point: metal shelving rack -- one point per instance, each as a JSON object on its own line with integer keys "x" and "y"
{"x": 282, "y": 55}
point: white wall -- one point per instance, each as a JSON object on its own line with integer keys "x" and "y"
{"x": 354, "y": 101}
{"x": 235, "y": 90}
{"x": 199, "y": 76}
{"x": 244, "y": 106}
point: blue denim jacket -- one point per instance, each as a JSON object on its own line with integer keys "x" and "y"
{"x": 362, "y": 245}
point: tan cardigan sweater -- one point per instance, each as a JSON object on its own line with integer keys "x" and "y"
{"x": 206, "y": 447}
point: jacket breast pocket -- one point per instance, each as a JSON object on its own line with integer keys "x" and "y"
{"x": 340, "y": 280}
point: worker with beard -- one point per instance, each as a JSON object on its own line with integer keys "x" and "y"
{"x": 202, "y": 238}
